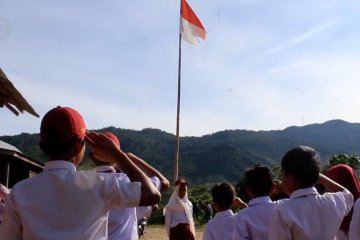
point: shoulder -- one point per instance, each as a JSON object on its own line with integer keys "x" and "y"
{"x": 341, "y": 196}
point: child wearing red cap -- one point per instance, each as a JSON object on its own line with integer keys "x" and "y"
{"x": 179, "y": 214}
{"x": 347, "y": 177}
{"x": 62, "y": 203}
{"x": 122, "y": 222}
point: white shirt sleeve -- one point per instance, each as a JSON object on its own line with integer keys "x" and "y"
{"x": 156, "y": 181}
{"x": 118, "y": 193}
{"x": 11, "y": 227}
{"x": 354, "y": 231}
{"x": 348, "y": 200}
{"x": 142, "y": 212}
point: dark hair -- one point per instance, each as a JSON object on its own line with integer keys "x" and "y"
{"x": 223, "y": 194}
{"x": 58, "y": 149}
{"x": 259, "y": 180}
{"x": 303, "y": 163}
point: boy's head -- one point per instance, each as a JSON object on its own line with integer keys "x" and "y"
{"x": 62, "y": 134}
{"x": 98, "y": 162}
{"x": 258, "y": 181}
{"x": 223, "y": 196}
{"x": 300, "y": 168}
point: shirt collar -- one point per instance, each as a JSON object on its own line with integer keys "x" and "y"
{"x": 105, "y": 168}
{"x": 304, "y": 192}
{"x": 224, "y": 213}
{"x": 259, "y": 200}
{"x": 59, "y": 164}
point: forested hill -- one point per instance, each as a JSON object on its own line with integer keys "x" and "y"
{"x": 221, "y": 156}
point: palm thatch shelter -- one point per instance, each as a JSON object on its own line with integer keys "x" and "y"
{"x": 12, "y": 98}
{"x": 15, "y": 166}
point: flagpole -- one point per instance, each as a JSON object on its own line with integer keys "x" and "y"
{"x": 177, "y": 146}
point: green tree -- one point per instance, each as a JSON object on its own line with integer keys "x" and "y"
{"x": 351, "y": 160}
{"x": 200, "y": 196}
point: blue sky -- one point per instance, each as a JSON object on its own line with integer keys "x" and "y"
{"x": 265, "y": 65}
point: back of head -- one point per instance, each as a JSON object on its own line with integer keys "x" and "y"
{"x": 303, "y": 163}
{"x": 223, "y": 195}
{"x": 259, "y": 180}
{"x": 61, "y": 129}
{"x": 345, "y": 176}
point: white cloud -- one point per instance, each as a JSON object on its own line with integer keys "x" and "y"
{"x": 265, "y": 65}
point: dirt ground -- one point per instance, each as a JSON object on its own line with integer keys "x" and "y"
{"x": 158, "y": 232}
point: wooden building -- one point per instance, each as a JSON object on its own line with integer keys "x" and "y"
{"x": 15, "y": 166}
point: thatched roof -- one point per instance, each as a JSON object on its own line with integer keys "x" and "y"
{"x": 12, "y": 98}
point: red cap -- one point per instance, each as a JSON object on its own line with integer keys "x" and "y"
{"x": 180, "y": 181}
{"x": 112, "y": 137}
{"x": 62, "y": 124}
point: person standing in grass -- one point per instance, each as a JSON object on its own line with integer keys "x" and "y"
{"x": 179, "y": 214}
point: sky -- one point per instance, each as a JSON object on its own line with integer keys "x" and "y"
{"x": 265, "y": 65}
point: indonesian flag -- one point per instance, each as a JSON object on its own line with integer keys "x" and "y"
{"x": 190, "y": 26}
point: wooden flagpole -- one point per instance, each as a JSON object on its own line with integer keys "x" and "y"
{"x": 177, "y": 146}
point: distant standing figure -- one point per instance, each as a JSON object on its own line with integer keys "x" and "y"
{"x": 221, "y": 227}
{"x": 345, "y": 176}
{"x": 179, "y": 214}
{"x": 208, "y": 213}
{"x": 3, "y": 193}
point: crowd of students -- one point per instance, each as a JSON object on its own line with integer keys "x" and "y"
{"x": 105, "y": 203}
{"x": 304, "y": 215}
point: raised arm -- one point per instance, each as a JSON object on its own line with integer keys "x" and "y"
{"x": 330, "y": 185}
{"x": 149, "y": 170}
{"x": 104, "y": 148}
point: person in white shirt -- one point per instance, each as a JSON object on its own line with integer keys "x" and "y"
{"x": 253, "y": 223}
{"x": 307, "y": 214}
{"x": 346, "y": 177}
{"x": 62, "y": 203}
{"x": 4, "y": 191}
{"x": 221, "y": 226}
{"x": 123, "y": 222}
{"x": 178, "y": 213}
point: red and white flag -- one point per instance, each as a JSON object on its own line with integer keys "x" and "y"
{"x": 190, "y": 26}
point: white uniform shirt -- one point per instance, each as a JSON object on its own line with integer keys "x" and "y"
{"x": 253, "y": 222}
{"x": 3, "y": 193}
{"x": 309, "y": 215}
{"x": 122, "y": 223}
{"x": 175, "y": 217}
{"x": 220, "y": 227}
{"x": 61, "y": 203}
{"x": 354, "y": 231}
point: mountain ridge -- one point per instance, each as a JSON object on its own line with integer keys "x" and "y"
{"x": 223, "y": 155}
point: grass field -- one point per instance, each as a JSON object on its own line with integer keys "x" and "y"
{"x": 158, "y": 232}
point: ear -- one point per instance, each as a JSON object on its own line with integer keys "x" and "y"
{"x": 273, "y": 187}
{"x": 215, "y": 206}
{"x": 79, "y": 150}
{"x": 249, "y": 192}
